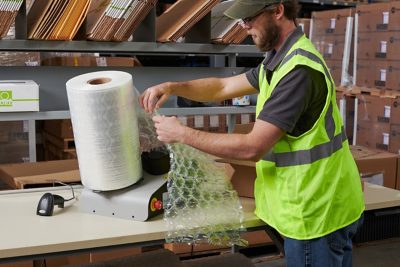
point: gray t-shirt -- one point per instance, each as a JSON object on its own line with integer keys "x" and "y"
{"x": 298, "y": 99}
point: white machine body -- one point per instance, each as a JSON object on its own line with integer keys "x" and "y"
{"x": 135, "y": 202}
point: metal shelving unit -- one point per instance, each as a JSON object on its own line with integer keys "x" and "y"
{"x": 125, "y": 47}
{"x": 53, "y": 97}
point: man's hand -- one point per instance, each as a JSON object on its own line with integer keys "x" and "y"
{"x": 169, "y": 129}
{"x": 153, "y": 97}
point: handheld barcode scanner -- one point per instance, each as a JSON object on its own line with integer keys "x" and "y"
{"x": 47, "y": 202}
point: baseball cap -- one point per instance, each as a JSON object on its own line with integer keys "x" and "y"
{"x": 247, "y": 8}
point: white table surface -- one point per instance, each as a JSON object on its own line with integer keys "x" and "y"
{"x": 23, "y": 233}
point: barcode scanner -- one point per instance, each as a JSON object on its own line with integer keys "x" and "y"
{"x": 48, "y": 201}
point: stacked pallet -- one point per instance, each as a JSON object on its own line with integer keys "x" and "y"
{"x": 58, "y": 140}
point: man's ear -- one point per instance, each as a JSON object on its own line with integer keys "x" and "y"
{"x": 279, "y": 11}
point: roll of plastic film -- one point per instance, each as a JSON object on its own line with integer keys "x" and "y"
{"x": 105, "y": 124}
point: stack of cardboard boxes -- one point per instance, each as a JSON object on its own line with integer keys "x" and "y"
{"x": 378, "y": 57}
{"x": 328, "y": 33}
{"x": 378, "y": 123}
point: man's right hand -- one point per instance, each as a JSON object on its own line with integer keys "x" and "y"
{"x": 153, "y": 98}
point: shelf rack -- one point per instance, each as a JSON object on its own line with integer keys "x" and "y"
{"x": 53, "y": 99}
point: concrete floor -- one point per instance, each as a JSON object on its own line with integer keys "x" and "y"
{"x": 384, "y": 253}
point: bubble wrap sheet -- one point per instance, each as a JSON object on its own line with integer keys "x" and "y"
{"x": 201, "y": 206}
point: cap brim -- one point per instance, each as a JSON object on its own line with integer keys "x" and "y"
{"x": 240, "y": 11}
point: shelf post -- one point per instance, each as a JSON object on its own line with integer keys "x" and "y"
{"x": 32, "y": 140}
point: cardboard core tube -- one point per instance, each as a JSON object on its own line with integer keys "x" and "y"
{"x": 98, "y": 81}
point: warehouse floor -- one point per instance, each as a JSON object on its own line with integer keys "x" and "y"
{"x": 382, "y": 253}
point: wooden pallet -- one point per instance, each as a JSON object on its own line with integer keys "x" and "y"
{"x": 66, "y": 144}
{"x": 391, "y": 93}
{"x": 51, "y": 152}
{"x": 356, "y": 90}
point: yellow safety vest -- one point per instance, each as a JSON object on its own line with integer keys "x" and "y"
{"x": 308, "y": 186}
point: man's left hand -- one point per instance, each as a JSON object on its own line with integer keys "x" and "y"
{"x": 169, "y": 129}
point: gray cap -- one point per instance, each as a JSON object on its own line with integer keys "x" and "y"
{"x": 246, "y": 8}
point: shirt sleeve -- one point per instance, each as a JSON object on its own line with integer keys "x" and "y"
{"x": 292, "y": 99}
{"x": 252, "y": 76}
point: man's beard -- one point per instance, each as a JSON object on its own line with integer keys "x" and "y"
{"x": 269, "y": 37}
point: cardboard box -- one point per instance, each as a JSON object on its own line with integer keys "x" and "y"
{"x": 242, "y": 175}
{"x": 114, "y": 254}
{"x": 394, "y": 144}
{"x": 394, "y": 17}
{"x": 36, "y": 174}
{"x": 373, "y": 17}
{"x": 373, "y": 73}
{"x": 20, "y": 95}
{"x": 374, "y": 109}
{"x": 255, "y": 238}
{"x": 117, "y": 62}
{"x": 87, "y": 61}
{"x": 330, "y": 21}
{"x": 59, "y": 128}
{"x": 378, "y": 45}
{"x": 194, "y": 249}
{"x": 398, "y": 175}
{"x": 243, "y": 128}
{"x": 372, "y": 161}
{"x": 66, "y": 260}
{"x": 395, "y": 111}
{"x": 18, "y": 264}
{"x": 330, "y": 46}
{"x": 379, "y": 17}
{"x": 335, "y": 68}
{"x": 373, "y": 135}
{"x": 380, "y": 74}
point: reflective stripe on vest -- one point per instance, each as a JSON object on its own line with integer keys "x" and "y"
{"x": 301, "y": 157}
{"x": 293, "y": 158}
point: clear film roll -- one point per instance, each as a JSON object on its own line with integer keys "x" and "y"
{"x": 105, "y": 123}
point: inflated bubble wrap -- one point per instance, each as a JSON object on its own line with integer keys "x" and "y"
{"x": 201, "y": 206}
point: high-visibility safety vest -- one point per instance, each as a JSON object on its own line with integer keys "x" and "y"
{"x": 308, "y": 186}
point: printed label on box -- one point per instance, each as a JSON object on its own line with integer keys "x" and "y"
{"x": 333, "y": 23}
{"x": 387, "y": 112}
{"x": 385, "y": 138}
{"x": 385, "y": 17}
{"x": 383, "y": 75}
{"x": 6, "y": 99}
{"x": 383, "y": 46}
{"x": 330, "y": 49}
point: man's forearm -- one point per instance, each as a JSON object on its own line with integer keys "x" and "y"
{"x": 202, "y": 90}
{"x": 233, "y": 146}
